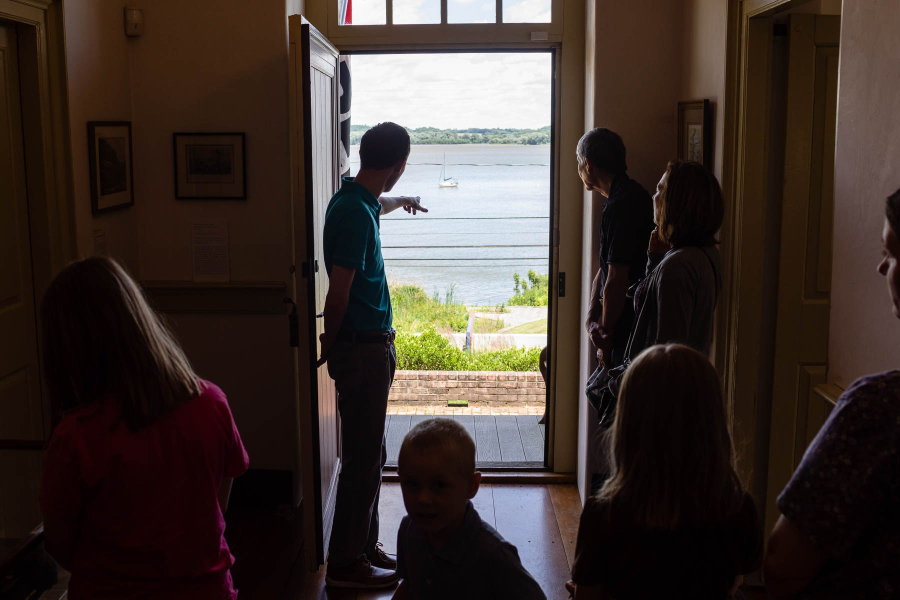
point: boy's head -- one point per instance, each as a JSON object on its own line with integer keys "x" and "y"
{"x": 385, "y": 146}
{"x": 437, "y": 474}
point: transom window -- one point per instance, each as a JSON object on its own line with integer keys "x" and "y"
{"x": 442, "y": 12}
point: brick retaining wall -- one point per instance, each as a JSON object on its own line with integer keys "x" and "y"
{"x": 479, "y": 388}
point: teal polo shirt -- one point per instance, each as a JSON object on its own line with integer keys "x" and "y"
{"x": 352, "y": 240}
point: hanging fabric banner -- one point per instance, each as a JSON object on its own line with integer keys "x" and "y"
{"x": 346, "y": 8}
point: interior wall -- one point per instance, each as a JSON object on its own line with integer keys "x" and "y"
{"x": 704, "y": 28}
{"x": 99, "y": 86}
{"x": 222, "y": 66}
{"x": 632, "y": 87}
{"x": 200, "y": 66}
{"x": 864, "y": 335}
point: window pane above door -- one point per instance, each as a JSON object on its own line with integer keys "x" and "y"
{"x": 417, "y": 12}
{"x": 471, "y": 11}
{"x": 363, "y": 12}
{"x": 526, "y": 11}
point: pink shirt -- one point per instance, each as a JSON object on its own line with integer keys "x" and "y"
{"x": 146, "y": 503}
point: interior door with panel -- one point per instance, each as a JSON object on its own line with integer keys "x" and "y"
{"x": 21, "y": 416}
{"x": 315, "y": 173}
{"x": 804, "y": 276}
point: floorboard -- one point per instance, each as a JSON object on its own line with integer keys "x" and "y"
{"x": 525, "y": 517}
{"x": 487, "y": 442}
{"x": 510, "y": 441}
{"x": 532, "y": 441}
{"x": 567, "y": 508}
{"x": 484, "y": 504}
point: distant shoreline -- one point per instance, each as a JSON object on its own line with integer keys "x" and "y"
{"x": 431, "y": 136}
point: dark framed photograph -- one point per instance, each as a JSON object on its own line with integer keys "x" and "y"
{"x": 112, "y": 175}
{"x": 695, "y": 132}
{"x": 210, "y": 166}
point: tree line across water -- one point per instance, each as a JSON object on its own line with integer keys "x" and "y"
{"x": 435, "y": 136}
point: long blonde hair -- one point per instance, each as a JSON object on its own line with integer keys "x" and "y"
{"x": 102, "y": 341}
{"x": 672, "y": 461}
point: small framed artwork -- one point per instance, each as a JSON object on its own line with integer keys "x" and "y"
{"x": 695, "y": 131}
{"x": 210, "y": 166}
{"x": 109, "y": 155}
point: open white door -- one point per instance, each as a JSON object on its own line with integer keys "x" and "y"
{"x": 315, "y": 165}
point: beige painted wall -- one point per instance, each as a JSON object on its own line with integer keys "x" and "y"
{"x": 703, "y": 63}
{"x": 99, "y": 90}
{"x": 864, "y": 335}
{"x": 203, "y": 65}
{"x": 632, "y": 87}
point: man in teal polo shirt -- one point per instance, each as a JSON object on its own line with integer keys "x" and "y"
{"x": 358, "y": 345}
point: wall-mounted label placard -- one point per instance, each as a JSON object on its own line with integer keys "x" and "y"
{"x": 209, "y": 250}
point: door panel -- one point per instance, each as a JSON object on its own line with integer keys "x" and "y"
{"x": 804, "y": 276}
{"x": 20, "y": 388}
{"x": 315, "y": 177}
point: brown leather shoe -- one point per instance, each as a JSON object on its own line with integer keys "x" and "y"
{"x": 382, "y": 559}
{"x": 360, "y": 575}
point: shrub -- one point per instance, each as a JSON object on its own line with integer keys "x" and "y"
{"x": 536, "y": 295}
{"x": 430, "y": 351}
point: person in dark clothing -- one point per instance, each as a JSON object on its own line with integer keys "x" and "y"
{"x": 673, "y": 520}
{"x": 627, "y": 222}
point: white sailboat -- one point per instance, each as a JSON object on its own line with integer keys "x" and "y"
{"x": 446, "y": 182}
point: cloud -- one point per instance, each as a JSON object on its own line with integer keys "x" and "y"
{"x": 526, "y": 11}
{"x": 454, "y": 91}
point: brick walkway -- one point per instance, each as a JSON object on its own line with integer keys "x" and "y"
{"x": 398, "y": 408}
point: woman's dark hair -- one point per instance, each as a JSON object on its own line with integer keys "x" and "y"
{"x": 892, "y": 211}
{"x": 383, "y": 146}
{"x": 102, "y": 342}
{"x": 690, "y": 207}
{"x": 604, "y": 148}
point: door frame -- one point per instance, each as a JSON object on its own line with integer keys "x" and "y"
{"x": 45, "y": 124}
{"x": 553, "y": 238}
{"x": 745, "y": 175}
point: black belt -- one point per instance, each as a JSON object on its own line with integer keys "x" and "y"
{"x": 368, "y": 337}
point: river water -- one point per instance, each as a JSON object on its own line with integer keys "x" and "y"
{"x": 477, "y": 235}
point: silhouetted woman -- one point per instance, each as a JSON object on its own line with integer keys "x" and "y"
{"x": 139, "y": 468}
{"x": 677, "y": 300}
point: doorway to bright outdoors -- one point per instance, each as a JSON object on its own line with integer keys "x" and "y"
{"x": 470, "y": 280}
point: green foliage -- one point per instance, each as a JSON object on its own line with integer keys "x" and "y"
{"x": 414, "y": 311}
{"x": 430, "y": 351}
{"x": 537, "y": 294}
{"x": 433, "y": 135}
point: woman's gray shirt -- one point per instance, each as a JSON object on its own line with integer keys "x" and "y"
{"x": 680, "y": 301}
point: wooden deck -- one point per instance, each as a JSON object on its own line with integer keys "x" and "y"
{"x": 499, "y": 439}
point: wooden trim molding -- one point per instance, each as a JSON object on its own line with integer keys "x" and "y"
{"x": 237, "y": 297}
{"x": 830, "y": 392}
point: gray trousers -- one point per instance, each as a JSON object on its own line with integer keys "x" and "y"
{"x": 363, "y": 374}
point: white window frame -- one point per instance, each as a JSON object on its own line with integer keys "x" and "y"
{"x": 528, "y": 34}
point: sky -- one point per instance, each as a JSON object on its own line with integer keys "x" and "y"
{"x": 452, "y": 91}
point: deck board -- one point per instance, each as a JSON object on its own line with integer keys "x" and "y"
{"x": 396, "y": 431}
{"x": 511, "y": 449}
{"x": 487, "y": 442}
{"x": 499, "y": 439}
{"x": 532, "y": 440}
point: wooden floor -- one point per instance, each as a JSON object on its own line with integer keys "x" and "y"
{"x": 499, "y": 439}
{"x": 268, "y": 567}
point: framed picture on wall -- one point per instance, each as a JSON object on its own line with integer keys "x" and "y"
{"x": 695, "y": 131}
{"x": 211, "y": 166}
{"x": 109, "y": 156}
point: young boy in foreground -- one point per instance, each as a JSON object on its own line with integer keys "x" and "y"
{"x": 444, "y": 549}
